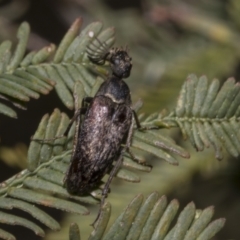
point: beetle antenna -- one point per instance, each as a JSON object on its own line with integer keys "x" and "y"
{"x": 99, "y": 54}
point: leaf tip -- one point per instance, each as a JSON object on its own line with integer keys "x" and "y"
{"x": 77, "y": 23}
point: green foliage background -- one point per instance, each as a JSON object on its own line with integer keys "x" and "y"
{"x": 168, "y": 41}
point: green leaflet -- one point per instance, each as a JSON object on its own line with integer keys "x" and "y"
{"x": 152, "y": 219}
{"x": 9, "y": 203}
{"x": 49, "y": 160}
{"x": 206, "y": 114}
{"x": 74, "y": 233}
{"x": 14, "y": 220}
{"x": 25, "y": 76}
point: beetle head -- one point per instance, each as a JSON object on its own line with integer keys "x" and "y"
{"x": 121, "y": 64}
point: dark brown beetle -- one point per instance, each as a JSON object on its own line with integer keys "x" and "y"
{"x": 108, "y": 123}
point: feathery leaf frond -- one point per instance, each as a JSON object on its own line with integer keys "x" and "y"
{"x": 152, "y": 219}
{"x": 48, "y": 162}
{"x": 27, "y": 76}
{"x": 208, "y": 114}
{"x": 38, "y": 187}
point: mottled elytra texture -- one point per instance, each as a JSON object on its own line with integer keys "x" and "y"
{"x": 106, "y": 125}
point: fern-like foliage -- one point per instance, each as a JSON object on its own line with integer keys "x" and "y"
{"x": 152, "y": 219}
{"x": 24, "y": 76}
{"x": 207, "y": 114}
{"x": 49, "y": 161}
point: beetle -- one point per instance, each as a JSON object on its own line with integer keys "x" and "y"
{"x": 108, "y": 123}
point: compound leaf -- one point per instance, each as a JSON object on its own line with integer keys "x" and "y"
{"x": 153, "y": 218}
{"x": 25, "y": 76}
{"x": 208, "y": 114}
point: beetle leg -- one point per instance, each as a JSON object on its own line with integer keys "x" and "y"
{"x": 139, "y": 127}
{"x": 86, "y": 100}
{"x": 129, "y": 139}
{"x": 79, "y": 112}
{"x": 106, "y": 186}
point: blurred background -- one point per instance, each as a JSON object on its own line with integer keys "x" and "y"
{"x": 168, "y": 40}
